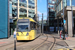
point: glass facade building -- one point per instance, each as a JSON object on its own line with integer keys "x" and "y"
{"x": 69, "y": 15}
{"x": 51, "y": 12}
{"x": 59, "y": 4}
{"x": 27, "y": 8}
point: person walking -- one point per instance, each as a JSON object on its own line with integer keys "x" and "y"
{"x": 66, "y": 35}
{"x": 61, "y": 34}
{"x": 15, "y": 33}
{"x": 15, "y": 39}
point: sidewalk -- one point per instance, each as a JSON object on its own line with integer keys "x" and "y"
{"x": 6, "y": 41}
{"x": 69, "y": 40}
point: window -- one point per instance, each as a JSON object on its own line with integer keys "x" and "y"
{"x": 23, "y": 12}
{"x": 22, "y": 28}
{"x": 31, "y": 2}
{"x": 14, "y": 11}
{"x": 23, "y": 3}
{"x": 32, "y": 25}
{"x": 14, "y": 2}
{"x": 10, "y": 9}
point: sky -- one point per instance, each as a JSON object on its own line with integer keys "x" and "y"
{"x": 42, "y": 8}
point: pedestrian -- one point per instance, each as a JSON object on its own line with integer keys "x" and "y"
{"x": 61, "y": 34}
{"x": 66, "y": 36}
{"x": 15, "y": 33}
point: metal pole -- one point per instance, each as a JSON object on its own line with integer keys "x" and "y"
{"x": 17, "y": 8}
{"x": 42, "y": 23}
{"x": 17, "y": 18}
{"x": 58, "y": 24}
{"x": 38, "y": 20}
{"x": 15, "y": 44}
{"x": 63, "y": 23}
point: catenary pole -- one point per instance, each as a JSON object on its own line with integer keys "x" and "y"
{"x": 42, "y": 23}
{"x": 63, "y": 23}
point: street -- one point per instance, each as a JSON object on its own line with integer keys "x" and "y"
{"x": 44, "y": 42}
{"x": 37, "y": 25}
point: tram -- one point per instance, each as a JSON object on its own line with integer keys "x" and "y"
{"x": 26, "y": 29}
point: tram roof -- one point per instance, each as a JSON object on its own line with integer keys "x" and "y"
{"x": 29, "y": 19}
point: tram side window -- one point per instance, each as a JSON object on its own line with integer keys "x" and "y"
{"x": 32, "y": 25}
{"x": 35, "y": 25}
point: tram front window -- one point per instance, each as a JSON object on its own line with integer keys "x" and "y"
{"x": 22, "y": 28}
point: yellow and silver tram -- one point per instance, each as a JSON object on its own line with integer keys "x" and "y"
{"x": 26, "y": 29}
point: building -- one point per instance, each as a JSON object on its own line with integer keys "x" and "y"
{"x": 51, "y": 15}
{"x": 27, "y": 8}
{"x": 4, "y": 19}
{"x": 65, "y": 9}
{"x": 21, "y": 9}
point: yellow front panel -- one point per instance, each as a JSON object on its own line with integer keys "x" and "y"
{"x": 23, "y": 38}
{"x": 22, "y": 35}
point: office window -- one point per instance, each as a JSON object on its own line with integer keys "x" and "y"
{"x": 31, "y": 6}
{"x": 10, "y": 9}
{"x": 53, "y": 2}
{"x": 49, "y": 1}
{"x": 31, "y": 2}
{"x": 23, "y": 12}
{"x": 31, "y": 13}
{"x": 23, "y": 3}
{"x": 14, "y": 11}
{"x": 14, "y": 2}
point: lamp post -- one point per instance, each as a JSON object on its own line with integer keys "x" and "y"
{"x": 63, "y": 23}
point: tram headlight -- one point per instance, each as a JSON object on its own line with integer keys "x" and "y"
{"x": 17, "y": 34}
{"x": 27, "y": 34}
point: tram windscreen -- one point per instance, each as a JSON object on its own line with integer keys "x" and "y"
{"x": 22, "y": 28}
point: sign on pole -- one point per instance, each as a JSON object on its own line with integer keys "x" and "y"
{"x": 64, "y": 21}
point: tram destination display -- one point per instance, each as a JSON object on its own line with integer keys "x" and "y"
{"x": 23, "y": 20}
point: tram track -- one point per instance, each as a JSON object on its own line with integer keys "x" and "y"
{"x": 56, "y": 43}
{"x": 53, "y": 44}
{"x": 50, "y": 47}
{"x": 35, "y": 47}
